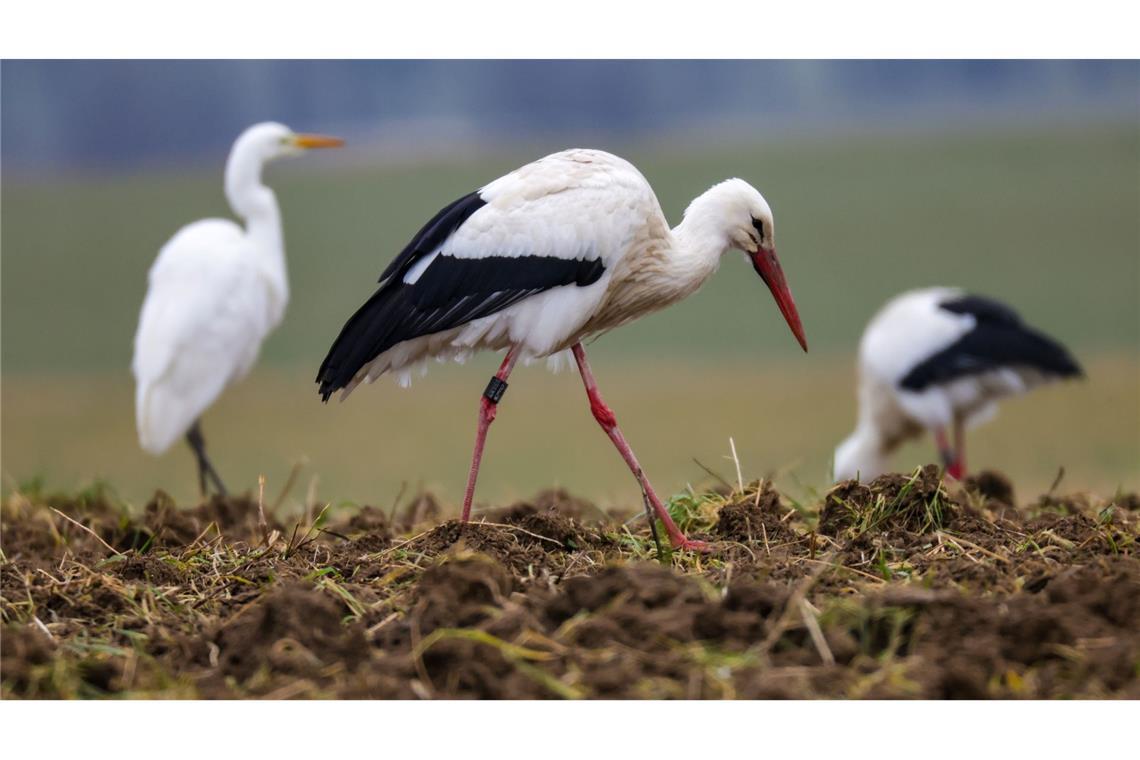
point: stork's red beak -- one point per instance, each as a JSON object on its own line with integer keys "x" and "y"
{"x": 768, "y": 267}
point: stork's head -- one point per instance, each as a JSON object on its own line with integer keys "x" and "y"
{"x": 736, "y": 215}
{"x": 269, "y": 140}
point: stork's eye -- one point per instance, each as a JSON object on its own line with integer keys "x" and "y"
{"x": 759, "y": 225}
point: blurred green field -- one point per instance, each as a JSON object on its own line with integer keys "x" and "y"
{"x": 1049, "y": 220}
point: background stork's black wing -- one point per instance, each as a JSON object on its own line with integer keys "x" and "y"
{"x": 999, "y": 339}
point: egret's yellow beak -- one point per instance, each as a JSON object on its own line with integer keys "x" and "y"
{"x": 317, "y": 141}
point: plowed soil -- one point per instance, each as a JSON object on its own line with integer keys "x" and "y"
{"x": 904, "y": 587}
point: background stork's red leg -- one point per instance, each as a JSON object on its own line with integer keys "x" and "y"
{"x": 487, "y": 408}
{"x": 605, "y": 417}
{"x": 944, "y": 450}
{"x": 958, "y": 469}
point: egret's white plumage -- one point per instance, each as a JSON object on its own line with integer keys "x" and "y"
{"x": 208, "y": 307}
{"x": 213, "y": 294}
{"x": 937, "y": 358}
{"x": 560, "y": 250}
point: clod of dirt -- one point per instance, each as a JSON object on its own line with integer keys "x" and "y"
{"x": 521, "y": 549}
{"x": 992, "y": 486}
{"x": 26, "y": 649}
{"x": 296, "y": 630}
{"x": 369, "y": 520}
{"x": 642, "y": 584}
{"x": 916, "y": 503}
{"x": 743, "y": 613}
{"x": 547, "y": 522}
{"x": 1082, "y": 630}
{"x": 1129, "y": 501}
{"x": 1081, "y": 534}
{"x": 35, "y": 531}
{"x": 367, "y": 530}
{"x": 1068, "y": 504}
{"x": 460, "y": 593}
{"x": 751, "y": 518}
{"x": 564, "y": 503}
{"x": 34, "y": 534}
{"x": 147, "y": 568}
{"x": 235, "y": 517}
{"x": 423, "y": 508}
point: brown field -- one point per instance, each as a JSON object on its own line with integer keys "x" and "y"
{"x": 908, "y": 587}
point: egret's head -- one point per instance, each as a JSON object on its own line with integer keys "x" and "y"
{"x": 269, "y": 140}
{"x": 737, "y": 213}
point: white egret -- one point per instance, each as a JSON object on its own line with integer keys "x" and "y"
{"x": 213, "y": 294}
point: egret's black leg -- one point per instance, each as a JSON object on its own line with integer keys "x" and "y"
{"x": 205, "y": 468}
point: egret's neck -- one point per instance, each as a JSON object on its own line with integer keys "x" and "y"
{"x": 257, "y": 205}
{"x": 252, "y": 200}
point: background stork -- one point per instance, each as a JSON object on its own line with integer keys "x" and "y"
{"x": 938, "y": 358}
{"x": 564, "y": 248}
{"x": 213, "y": 294}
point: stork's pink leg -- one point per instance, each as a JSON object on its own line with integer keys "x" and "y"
{"x": 605, "y": 417}
{"x": 949, "y": 457}
{"x": 488, "y": 404}
{"x": 958, "y": 469}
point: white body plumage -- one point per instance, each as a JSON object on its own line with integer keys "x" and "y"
{"x": 212, "y": 297}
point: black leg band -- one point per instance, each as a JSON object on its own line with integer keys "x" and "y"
{"x": 495, "y": 390}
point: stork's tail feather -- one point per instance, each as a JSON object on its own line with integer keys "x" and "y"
{"x": 368, "y": 333}
{"x": 1049, "y": 355}
{"x": 991, "y": 346}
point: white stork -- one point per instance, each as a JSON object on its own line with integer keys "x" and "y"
{"x": 562, "y": 249}
{"x": 213, "y": 294}
{"x": 937, "y": 358}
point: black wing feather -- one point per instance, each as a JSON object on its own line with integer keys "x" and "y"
{"x": 431, "y": 236}
{"x": 451, "y": 291}
{"x": 999, "y": 339}
{"x": 983, "y": 309}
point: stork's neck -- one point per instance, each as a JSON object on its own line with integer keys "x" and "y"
{"x": 256, "y": 204}
{"x": 698, "y": 245}
{"x": 861, "y": 454}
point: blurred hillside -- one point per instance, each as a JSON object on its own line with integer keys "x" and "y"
{"x": 67, "y": 115}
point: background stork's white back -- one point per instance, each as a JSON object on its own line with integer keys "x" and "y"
{"x": 564, "y": 248}
{"x": 213, "y": 294}
{"x": 937, "y": 358}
